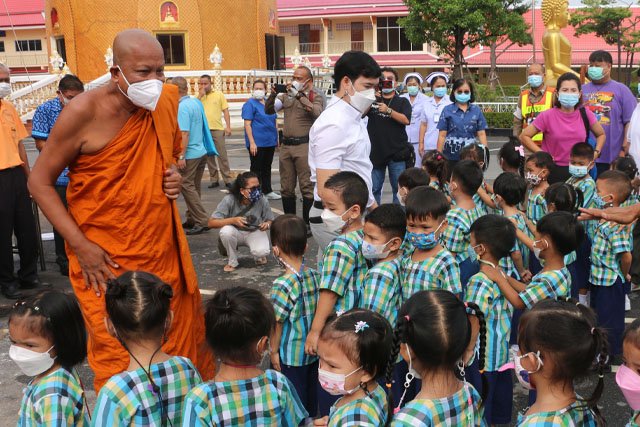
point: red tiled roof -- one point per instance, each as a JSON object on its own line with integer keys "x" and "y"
{"x": 21, "y": 13}
{"x": 292, "y": 9}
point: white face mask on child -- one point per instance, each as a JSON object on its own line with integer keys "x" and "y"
{"x": 30, "y": 362}
{"x": 334, "y": 383}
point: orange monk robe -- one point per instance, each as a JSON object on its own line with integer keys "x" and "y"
{"x": 116, "y": 198}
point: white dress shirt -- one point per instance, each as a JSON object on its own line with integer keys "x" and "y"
{"x": 633, "y": 135}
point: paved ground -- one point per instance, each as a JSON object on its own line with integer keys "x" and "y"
{"x": 209, "y": 263}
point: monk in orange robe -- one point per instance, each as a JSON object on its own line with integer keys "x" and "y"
{"x": 122, "y": 142}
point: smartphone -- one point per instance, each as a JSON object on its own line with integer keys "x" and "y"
{"x": 280, "y": 88}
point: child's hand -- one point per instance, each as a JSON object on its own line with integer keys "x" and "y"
{"x": 322, "y": 422}
{"x": 311, "y": 344}
{"x": 494, "y": 274}
{"x": 526, "y": 276}
{"x": 275, "y": 360}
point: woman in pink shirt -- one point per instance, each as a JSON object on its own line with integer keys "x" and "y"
{"x": 563, "y": 126}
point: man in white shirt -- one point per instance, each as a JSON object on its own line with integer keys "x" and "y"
{"x": 338, "y": 140}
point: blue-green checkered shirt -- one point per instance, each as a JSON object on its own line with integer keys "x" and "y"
{"x": 382, "y": 291}
{"x": 547, "y": 284}
{"x": 536, "y": 206}
{"x": 575, "y": 415}
{"x": 438, "y": 272}
{"x": 456, "y": 235}
{"x": 369, "y": 411}
{"x": 610, "y": 241}
{"x": 588, "y": 187}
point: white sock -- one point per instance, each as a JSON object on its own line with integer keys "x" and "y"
{"x": 582, "y": 298}
{"x": 627, "y": 303}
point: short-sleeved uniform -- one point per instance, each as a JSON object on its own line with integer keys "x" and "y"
{"x": 382, "y": 289}
{"x": 263, "y": 125}
{"x": 462, "y": 408}
{"x": 191, "y": 119}
{"x": 370, "y": 411}
{"x": 536, "y": 206}
{"x": 43, "y": 120}
{"x": 268, "y": 399}
{"x": 462, "y": 128}
{"x": 128, "y": 398}
{"x": 438, "y": 272}
{"x": 547, "y": 284}
{"x": 456, "y": 236}
{"x": 575, "y": 415}
{"x": 343, "y": 269}
{"x": 588, "y": 187}
{"x": 55, "y": 400}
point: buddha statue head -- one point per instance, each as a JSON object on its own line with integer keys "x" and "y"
{"x": 555, "y": 13}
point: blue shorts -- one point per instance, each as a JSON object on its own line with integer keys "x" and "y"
{"x": 498, "y": 398}
{"x": 583, "y": 264}
{"x": 305, "y": 381}
{"x": 467, "y": 269}
{"x": 608, "y": 303}
{"x": 575, "y": 286}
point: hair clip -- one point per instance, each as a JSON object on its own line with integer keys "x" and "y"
{"x": 361, "y": 326}
{"x": 18, "y": 303}
{"x": 407, "y": 318}
{"x": 592, "y": 330}
{"x": 520, "y": 150}
{"x": 36, "y": 308}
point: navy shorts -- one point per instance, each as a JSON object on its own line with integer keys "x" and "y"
{"x": 305, "y": 381}
{"x": 498, "y": 398}
{"x": 608, "y": 303}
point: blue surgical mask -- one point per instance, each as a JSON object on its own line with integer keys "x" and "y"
{"x": 568, "y": 100}
{"x": 424, "y": 241}
{"x": 535, "y": 81}
{"x": 413, "y": 90}
{"x": 595, "y": 73}
{"x": 462, "y": 98}
{"x": 600, "y": 203}
{"x": 440, "y": 92}
{"x": 255, "y": 195}
{"x": 578, "y": 171}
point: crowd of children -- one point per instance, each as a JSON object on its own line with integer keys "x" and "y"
{"x": 418, "y": 315}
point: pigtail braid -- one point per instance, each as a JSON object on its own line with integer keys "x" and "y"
{"x": 399, "y": 334}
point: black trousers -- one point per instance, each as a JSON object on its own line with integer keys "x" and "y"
{"x": 261, "y": 166}
{"x": 61, "y": 253}
{"x": 16, "y": 216}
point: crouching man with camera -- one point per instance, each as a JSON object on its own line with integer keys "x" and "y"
{"x": 390, "y": 147}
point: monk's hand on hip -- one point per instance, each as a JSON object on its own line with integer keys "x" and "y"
{"x": 171, "y": 183}
{"x": 95, "y": 263}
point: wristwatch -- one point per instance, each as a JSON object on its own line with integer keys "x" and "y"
{"x": 389, "y": 112}
{"x": 181, "y": 157}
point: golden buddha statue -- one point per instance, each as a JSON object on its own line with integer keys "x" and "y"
{"x": 555, "y": 46}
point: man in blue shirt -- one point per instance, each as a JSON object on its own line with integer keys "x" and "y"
{"x": 193, "y": 159}
{"x": 43, "y": 120}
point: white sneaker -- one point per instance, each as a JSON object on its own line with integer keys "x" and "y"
{"x": 273, "y": 196}
{"x": 627, "y": 303}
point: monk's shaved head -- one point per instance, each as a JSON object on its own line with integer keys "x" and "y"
{"x": 132, "y": 43}
{"x": 181, "y": 82}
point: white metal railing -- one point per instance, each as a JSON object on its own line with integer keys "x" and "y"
{"x": 497, "y": 107}
{"x": 27, "y": 99}
{"x": 26, "y": 59}
{"x": 333, "y": 48}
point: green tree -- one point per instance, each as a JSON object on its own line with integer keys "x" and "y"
{"x": 454, "y": 25}
{"x": 614, "y": 25}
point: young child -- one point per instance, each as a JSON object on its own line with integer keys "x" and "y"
{"x": 480, "y": 154}
{"x": 610, "y": 259}
{"x": 492, "y": 238}
{"x": 466, "y": 178}
{"x": 410, "y": 179}
{"x": 538, "y": 167}
{"x": 436, "y": 336}
{"x": 581, "y": 162}
{"x": 384, "y": 231}
{"x": 239, "y": 322}
{"x": 558, "y": 343}
{"x": 437, "y": 166}
{"x": 48, "y": 339}
{"x": 509, "y": 191}
{"x": 353, "y": 349}
{"x": 343, "y": 266}
{"x": 427, "y": 265}
{"x": 511, "y": 156}
{"x": 294, "y": 296}
{"x": 154, "y": 386}
{"x": 628, "y": 375}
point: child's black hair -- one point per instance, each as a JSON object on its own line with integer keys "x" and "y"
{"x": 582, "y": 150}
{"x": 511, "y": 187}
{"x": 240, "y": 183}
{"x": 512, "y": 153}
{"x": 435, "y": 324}
{"x": 632, "y": 333}
{"x": 627, "y": 165}
{"x": 56, "y": 316}
{"x": 567, "y": 332}
{"x": 138, "y": 304}
{"x": 390, "y": 219}
{"x": 479, "y": 153}
{"x": 412, "y": 178}
{"x": 235, "y": 320}
{"x": 289, "y": 234}
{"x": 351, "y": 187}
{"x": 496, "y": 233}
{"x": 565, "y": 197}
{"x": 426, "y": 202}
{"x": 564, "y": 229}
{"x": 542, "y": 160}
{"x": 619, "y": 182}
{"x": 468, "y": 175}
{"x": 436, "y": 165}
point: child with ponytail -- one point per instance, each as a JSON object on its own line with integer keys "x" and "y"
{"x": 511, "y": 156}
{"x": 438, "y": 169}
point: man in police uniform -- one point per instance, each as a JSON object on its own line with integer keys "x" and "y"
{"x": 532, "y": 101}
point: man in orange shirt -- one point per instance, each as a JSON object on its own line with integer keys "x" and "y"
{"x": 16, "y": 214}
{"x": 122, "y": 142}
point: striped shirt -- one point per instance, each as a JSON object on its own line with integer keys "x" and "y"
{"x": 521, "y": 224}
{"x": 294, "y": 300}
{"x": 128, "y": 398}
{"x": 438, "y": 272}
{"x": 456, "y": 235}
{"x": 268, "y": 399}
{"x": 575, "y": 415}
{"x": 371, "y": 411}
{"x": 460, "y": 409}
{"x": 588, "y": 187}
{"x": 57, "y": 399}
{"x": 497, "y": 313}
{"x": 382, "y": 290}
{"x": 442, "y": 188}
{"x": 536, "y": 206}
{"x": 547, "y": 284}
{"x": 343, "y": 269}
{"x": 610, "y": 241}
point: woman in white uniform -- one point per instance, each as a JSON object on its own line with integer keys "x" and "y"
{"x": 413, "y": 85}
{"x": 428, "y": 138}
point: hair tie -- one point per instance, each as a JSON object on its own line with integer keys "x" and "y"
{"x": 361, "y": 326}
{"x": 520, "y": 150}
{"x": 592, "y": 330}
{"x": 407, "y": 318}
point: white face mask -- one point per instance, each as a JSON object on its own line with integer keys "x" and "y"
{"x": 362, "y": 100}
{"x": 258, "y": 94}
{"x": 298, "y": 86}
{"x": 30, "y": 362}
{"x": 5, "y": 89}
{"x": 373, "y": 252}
{"x": 334, "y": 383}
{"x": 144, "y": 94}
{"x": 333, "y": 222}
{"x": 536, "y": 250}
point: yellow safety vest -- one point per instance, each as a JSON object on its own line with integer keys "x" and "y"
{"x": 530, "y": 111}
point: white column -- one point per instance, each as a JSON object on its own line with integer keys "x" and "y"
{"x": 374, "y": 29}
{"x": 325, "y": 35}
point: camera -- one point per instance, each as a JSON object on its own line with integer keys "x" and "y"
{"x": 385, "y": 84}
{"x": 280, "y": 88}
